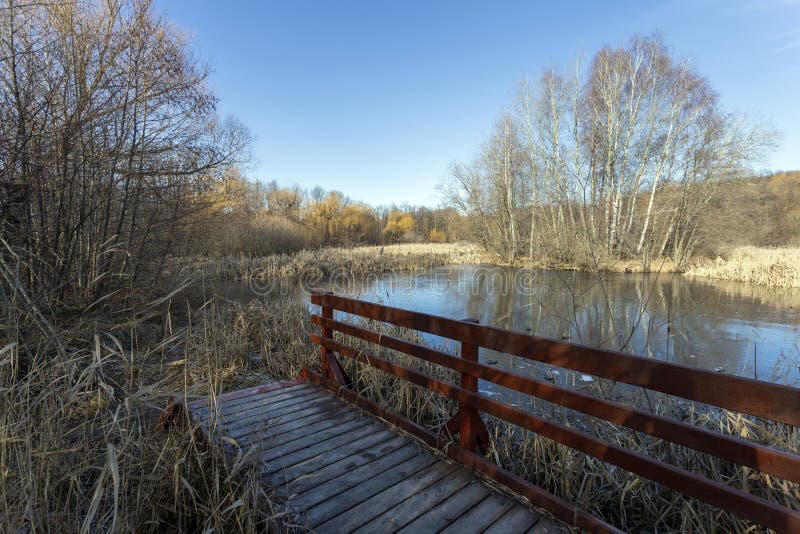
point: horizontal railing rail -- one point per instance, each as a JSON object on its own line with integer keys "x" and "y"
{"x": 762, "y": 399}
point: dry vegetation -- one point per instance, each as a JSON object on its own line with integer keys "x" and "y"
{"x": 89, "y": 454}
{"x": 80, "y": 443}
{"x": 314, "y": 265}
{"x": 775, "y": 267}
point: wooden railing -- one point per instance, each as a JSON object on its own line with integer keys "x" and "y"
{"x": 766, "y": 400}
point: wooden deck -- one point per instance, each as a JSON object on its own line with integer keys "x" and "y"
{"x": 343, "y": 470}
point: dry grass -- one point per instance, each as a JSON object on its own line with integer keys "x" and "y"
{"x": 774, "y": 267}
{"x": 80, "y": 446}
{"x": 314, "y": 265}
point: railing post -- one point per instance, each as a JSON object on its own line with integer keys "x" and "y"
{"x": 330, "y": 363}
{"x": 469, "y": 351}
{"x": 327, "y": 313}
{"x": 472, "y": 433}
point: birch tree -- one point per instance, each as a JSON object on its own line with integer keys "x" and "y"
{"x": 614, "y": 162}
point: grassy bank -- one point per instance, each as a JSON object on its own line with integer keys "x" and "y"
{"x": 774, "y": 267}
{"x": 360, "y": 261}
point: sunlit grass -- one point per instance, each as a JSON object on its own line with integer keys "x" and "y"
{"x": 775, "y": 267}
{"x": 358, "y": 261}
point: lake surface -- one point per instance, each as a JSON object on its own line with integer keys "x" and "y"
{"x": 730, "y": 327}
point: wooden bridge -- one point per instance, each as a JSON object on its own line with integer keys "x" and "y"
{"x": 345, "y": 463}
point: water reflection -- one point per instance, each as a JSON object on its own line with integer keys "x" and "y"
{"x": 735, "y": 328}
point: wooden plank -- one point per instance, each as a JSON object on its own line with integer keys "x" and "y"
{"x": 416, "y": 505}
{"x": 563, "y": 510}
{"x": 256, "y": 404}
{"x": 399, "y": 447}
{"x": 267, "y": 440}
{"x": 299, "y": 419}
{"x": 741, "y": 451}
{"x": 247, "y": 410}
{"x": 201, "y": 406}
{"x": 518, "y": 519}
{"x": 366, "y": 488}
{"x": 382, "y": 458}
{"x": 367, "y": 510}
{"x": 308, "y": 441}
{"x": 378, "y": 440}
{"x": 269, "y": 387}
{"x": 754, "y": 397}
{"x": 283, "y": 413}
{"x": 295, "y": 457}
{"x": 481, "y": 515}
{"x": 448, "y": 510}
{"x": 743, "y": 504}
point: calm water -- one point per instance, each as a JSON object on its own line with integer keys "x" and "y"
{"x": 729, "y": 327}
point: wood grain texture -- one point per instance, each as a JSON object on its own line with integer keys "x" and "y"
{"x": 347, "y": 470}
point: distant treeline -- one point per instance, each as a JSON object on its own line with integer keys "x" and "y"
{"x": 761, "y": 211}
{"x": 250, "y": 218}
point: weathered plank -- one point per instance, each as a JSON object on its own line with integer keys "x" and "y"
{"x": 234, "y": 423}
{"x": 217, "y": 404}
{"x": 314, "y": 439}
{"x": 392, "y": 496}
{"x": 284, "y": 461}
{"x": 416, "y": 505}
{"x": 481, "y": 515}
{"x": 345, "y": 470}
{"x": 270, "y": 419}
{"x": 518, "y": 519}
{"x": 267, "y": 441}
{"x": 253, "y": 434}
{"x": 289, "y": 474}
{"x": 448, "y": 510}
{"x": 357, "y": 493}
{"x": 261, "y": 405}
{"x": 398, "y": 449}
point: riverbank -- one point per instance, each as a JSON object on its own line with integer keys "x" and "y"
{"x": 772, "y": 267}
{"x": 756, "y": 265}
{"x": 326, "y": 262}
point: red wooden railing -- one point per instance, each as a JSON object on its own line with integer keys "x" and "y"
{"x": 762, "y": 399}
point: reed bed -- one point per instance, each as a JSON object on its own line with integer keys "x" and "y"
{"x": 81, "y": 449}
{"x": 315, "y": 265}
{"x": 773, "y": 267}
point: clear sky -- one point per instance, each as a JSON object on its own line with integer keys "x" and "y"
{"x": 376, "y": 98}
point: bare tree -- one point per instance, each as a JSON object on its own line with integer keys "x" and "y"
{"x": 617, "y": 162}
{"x": 108, "y": 134}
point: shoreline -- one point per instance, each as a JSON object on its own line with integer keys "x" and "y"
{"x": 766, "y": 267}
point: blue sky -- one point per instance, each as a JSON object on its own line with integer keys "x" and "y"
{"x": 376, "y": 98}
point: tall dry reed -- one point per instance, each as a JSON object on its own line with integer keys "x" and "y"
{"x": 315, "y": 265}
{"x": 81, "y": 449}
{"x": 774, "y": 267}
